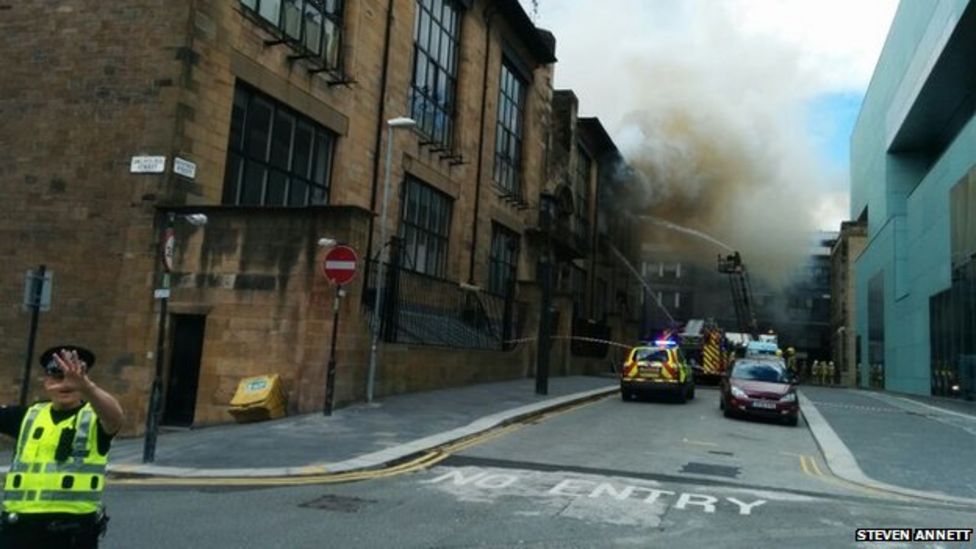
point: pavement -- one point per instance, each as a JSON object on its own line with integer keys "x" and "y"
{"x": 356, "y": 437}
{"x": 911, "y": 445}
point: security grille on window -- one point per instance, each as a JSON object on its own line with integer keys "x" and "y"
{"x": 424, "y": 228}
{"x": 437, "y": 28}
{"x": 503, "y": 260}
{"x": 583, "y": 166}
{"x": 276, "y": 157}
{"x": 508, "y": 136}
{"x": 313, "y": 26}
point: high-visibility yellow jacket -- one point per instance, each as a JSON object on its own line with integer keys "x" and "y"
{"x": 38, "y": 483}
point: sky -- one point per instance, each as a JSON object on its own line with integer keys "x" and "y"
{"x": 736, "y": 113}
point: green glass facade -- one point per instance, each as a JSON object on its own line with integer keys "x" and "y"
{"x": 913, "y": 153}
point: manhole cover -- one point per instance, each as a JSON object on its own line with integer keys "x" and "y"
{"x": 709, "y": 469}
{"x": 342, "y": 504}
{"x": 720, "y": 453}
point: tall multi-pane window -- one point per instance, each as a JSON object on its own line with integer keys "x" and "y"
{"x": 503, "y": 260}
{"x": 437, "y": 29}
{"x": 582, "y": 184}
{"x": 425, "y": 228}
{"x": 601, "y": 301}
{"x": 313, "y": 26}
{"x": 508, "y": 134}
{"x": 276, "y": 156}
{"x": 578, "y": 288}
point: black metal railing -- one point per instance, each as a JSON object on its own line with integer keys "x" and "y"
{"x": 425, "y": 310}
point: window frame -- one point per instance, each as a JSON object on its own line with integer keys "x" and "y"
{"x": 241, "y": 158}
{"x": 512, "y": 100}
{"x": 327, "y": 51}
{"x": 418, "y": 197}
{"x": 435, "y": 73}
{"x": 502, "y": 260}
{"x": 582, "y": 190}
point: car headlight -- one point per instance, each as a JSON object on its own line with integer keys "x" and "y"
{"x": 788, "y": 397}
{"x": 738, "y": 393}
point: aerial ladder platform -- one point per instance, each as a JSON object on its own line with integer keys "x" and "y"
{"x": 741, "y": 292}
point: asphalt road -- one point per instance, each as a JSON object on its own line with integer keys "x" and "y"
{"x": 606, "y": 474}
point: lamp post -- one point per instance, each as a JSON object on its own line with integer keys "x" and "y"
{"x": 166, "y": 249}
{"x": 392, "y": 124}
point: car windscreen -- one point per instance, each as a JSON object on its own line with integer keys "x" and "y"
{"x": 760, "y": 371}
{"x": 650, "y": 355}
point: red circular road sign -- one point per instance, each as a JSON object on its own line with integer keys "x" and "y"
{"x": 340, "y": 265}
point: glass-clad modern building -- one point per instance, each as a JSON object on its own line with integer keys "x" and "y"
{"x": 913, "y": 181}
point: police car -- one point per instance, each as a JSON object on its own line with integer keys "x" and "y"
{"x": 657, "y": 368}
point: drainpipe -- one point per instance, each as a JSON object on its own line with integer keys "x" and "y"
{"x": 488, "y": 14}
{"x": 380, "y": 118}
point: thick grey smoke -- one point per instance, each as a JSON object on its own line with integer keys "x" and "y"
{"x": 711, "y": 118}
{"x": 719, "y": 137}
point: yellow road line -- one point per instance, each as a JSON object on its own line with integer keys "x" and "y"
{"x": 812, "y": 468}
{"x": 423, "y": 461}
{"x": 803, "y": 465}
{"x": 816, "y": 468}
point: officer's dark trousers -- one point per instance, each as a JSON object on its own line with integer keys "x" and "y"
{"x": 29, "y": 533}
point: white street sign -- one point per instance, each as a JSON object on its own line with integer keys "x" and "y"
{"x": 30, "y": 279}
{"x": 184, "y": 167}
{"x": 148, "y": 164}
{"x": 161, "y": 293}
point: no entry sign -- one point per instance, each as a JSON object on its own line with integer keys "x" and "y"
{"x": 340, "y": 265}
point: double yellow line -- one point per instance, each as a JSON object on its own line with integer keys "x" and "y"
{"x": 426, "y": 460}
{"x": 810, "y": 466}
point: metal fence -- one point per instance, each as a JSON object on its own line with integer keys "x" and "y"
{"x": 425, "y": 310}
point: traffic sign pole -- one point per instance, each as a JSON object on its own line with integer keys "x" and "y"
{"x": 37, "y": 290}
{"x": 330, "y": 370}
{"x": 339, "y": 268}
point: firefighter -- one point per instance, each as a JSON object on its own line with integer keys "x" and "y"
{"x": 53, "y": 492}
{"x": 791, "y": 361}
{"x": 831, "y": 371}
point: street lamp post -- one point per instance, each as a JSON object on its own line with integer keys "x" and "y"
{"x": 162, "y": 293}
{"x": 392, "y": 124}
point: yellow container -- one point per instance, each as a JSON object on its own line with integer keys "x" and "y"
{"x": 258, "y": 398}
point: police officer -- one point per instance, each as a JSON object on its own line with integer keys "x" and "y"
{"x": 53, "y": 491}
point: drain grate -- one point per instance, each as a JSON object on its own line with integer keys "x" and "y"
{"x": 720, "y": 453}
{"x": 341, "y": 504}
{"x": 710, "y": 469}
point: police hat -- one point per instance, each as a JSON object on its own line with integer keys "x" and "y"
{"x": 50, "y": 366}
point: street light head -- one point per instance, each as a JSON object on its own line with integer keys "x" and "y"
{"x": 197, "y": 220}
{"x": 402, "y": 122}
{"x": 326, "y": 242}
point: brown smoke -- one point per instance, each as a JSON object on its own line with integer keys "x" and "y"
{"x": 731, "y": 162}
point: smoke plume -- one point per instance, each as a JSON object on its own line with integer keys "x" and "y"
{"x": 713, "y": 120}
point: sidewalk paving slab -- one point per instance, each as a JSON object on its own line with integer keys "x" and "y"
{"x": 356, "y": 437}
{"x": 893, "y": 444}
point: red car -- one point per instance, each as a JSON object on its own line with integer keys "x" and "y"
{"x": 761, "y": 388}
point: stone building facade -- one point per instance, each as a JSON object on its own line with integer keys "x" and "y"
{"x": 281, "y": 107}
{"x": 850, "y": 243}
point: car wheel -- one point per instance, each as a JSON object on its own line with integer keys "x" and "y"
{"x": 727, "y": 411}
{"x": 792, "y": 421}
{"x": 682, "y": 395}
{"x": 721, "y": 403}
{"x": 691, "y": 393}
{"x": 624, "y": 395}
